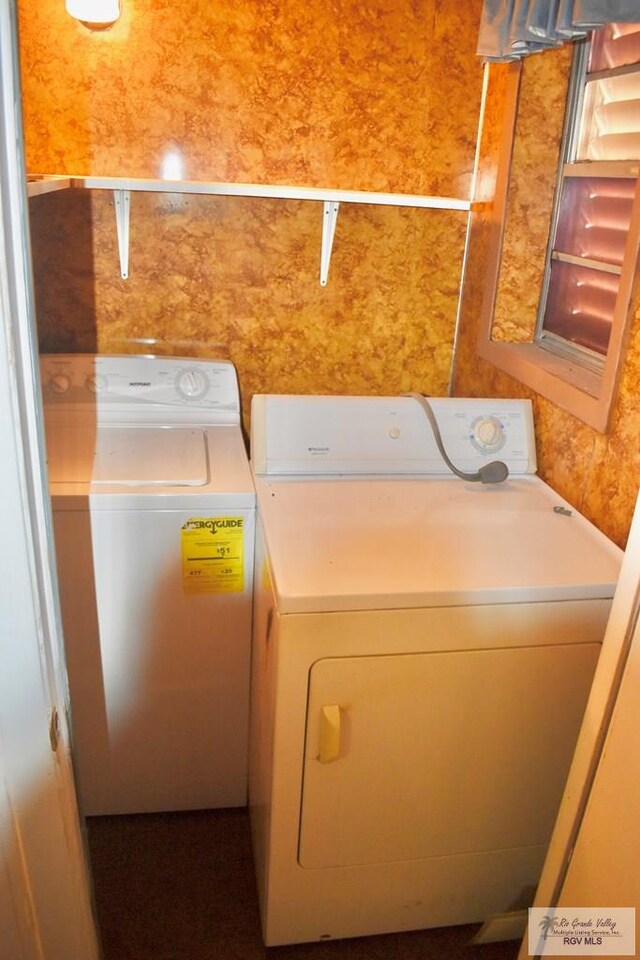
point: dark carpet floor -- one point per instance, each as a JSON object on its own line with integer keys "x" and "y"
{"x": 181, "y": 887}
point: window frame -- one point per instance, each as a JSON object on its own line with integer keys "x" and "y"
{"x": 585, "y": 390}
{"x": 571, "y": 167}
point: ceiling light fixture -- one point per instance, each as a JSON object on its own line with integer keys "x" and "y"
{"x": 94, "y": 12}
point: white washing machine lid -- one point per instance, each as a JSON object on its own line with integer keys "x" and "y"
{"x": 125, "y": 467}
{"x": 389, "y": 543}
{"x": 140, "y": 456}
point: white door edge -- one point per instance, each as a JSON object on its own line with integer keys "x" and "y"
{"x": 619, "y": 635}
{"x": 45, "y": 897}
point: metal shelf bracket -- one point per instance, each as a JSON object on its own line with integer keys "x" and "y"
{"x": 122, "y": 199}
{"x": 329, "y": 220}
{"x": 331, "y": 200}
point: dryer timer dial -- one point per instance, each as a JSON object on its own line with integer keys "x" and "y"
{"x": 487, "y": 434}
{"x": 192, "y": 384}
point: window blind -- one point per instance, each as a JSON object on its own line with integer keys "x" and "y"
{"x": 610, "y": 122}
{"x": 615, "y": 46}
{"x": 580, "y": 305}
{"x": 593, "y": 214}
{"x": 610, "y": 128}
{"x": 594, "y": 218}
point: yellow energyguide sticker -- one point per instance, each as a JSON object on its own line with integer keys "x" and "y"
{"x": 212, "y": 555}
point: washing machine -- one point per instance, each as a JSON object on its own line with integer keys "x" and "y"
{"x": 423, "y": 651}
{"x": 154, "y": 520}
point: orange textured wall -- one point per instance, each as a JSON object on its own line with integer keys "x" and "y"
{"x": 599, "y": 474}
{"x": 238, "y": 279}
{"x": 379, "y": 96}
{"x": 376, "y": 96}
{"x": 536, "y": 151}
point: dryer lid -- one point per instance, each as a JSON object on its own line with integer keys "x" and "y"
{"x": 130, "y": 456}
{"x": 390, "y": 543}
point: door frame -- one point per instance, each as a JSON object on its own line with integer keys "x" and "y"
{"x": 45, "y": 894}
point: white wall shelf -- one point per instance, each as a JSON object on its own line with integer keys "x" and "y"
{"x": 39, "y": 185}
{"x": 331, "y": 199}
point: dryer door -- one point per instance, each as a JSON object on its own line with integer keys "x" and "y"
{"x": 438, "y": 754}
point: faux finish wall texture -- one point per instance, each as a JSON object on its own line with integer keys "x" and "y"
{"x": 371, "y": 96}
{"x": 379, "y": 96}
{"x": 238, "y": 279}
{"x": 536, "y": 150}
{"x": 599, "y": 474}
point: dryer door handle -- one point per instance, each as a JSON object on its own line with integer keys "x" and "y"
{"x": 329, "y": 733}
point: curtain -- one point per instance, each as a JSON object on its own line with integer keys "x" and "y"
{"x": 514, "y": 28}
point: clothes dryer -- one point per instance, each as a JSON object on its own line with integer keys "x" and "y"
{"x": 153, "y": 507}
{"x": 423, "y": 650}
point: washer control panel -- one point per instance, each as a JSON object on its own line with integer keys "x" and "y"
{"x": 118, "y": 387}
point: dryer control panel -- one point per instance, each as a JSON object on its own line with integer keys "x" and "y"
{"x": 319, "y": 435}
{"x": 119, "y": 389}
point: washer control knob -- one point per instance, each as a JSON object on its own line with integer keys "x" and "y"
{"x": 95, "y": 383}
{"x": 487, "y": 434}
{"x": 192, "y": 384}
{"x": 394, "y": 432}
{"x": 59, "y": 383}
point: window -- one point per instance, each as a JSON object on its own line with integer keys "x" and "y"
{"x": 594, "y": 199}
{"x": 556, "y": 238}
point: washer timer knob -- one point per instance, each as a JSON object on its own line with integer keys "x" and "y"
{"x": 487, "y": 434}
{"x": 95, "y": 383}
{"x": 59, "y": 383}
{"x": 192, "y": 384}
